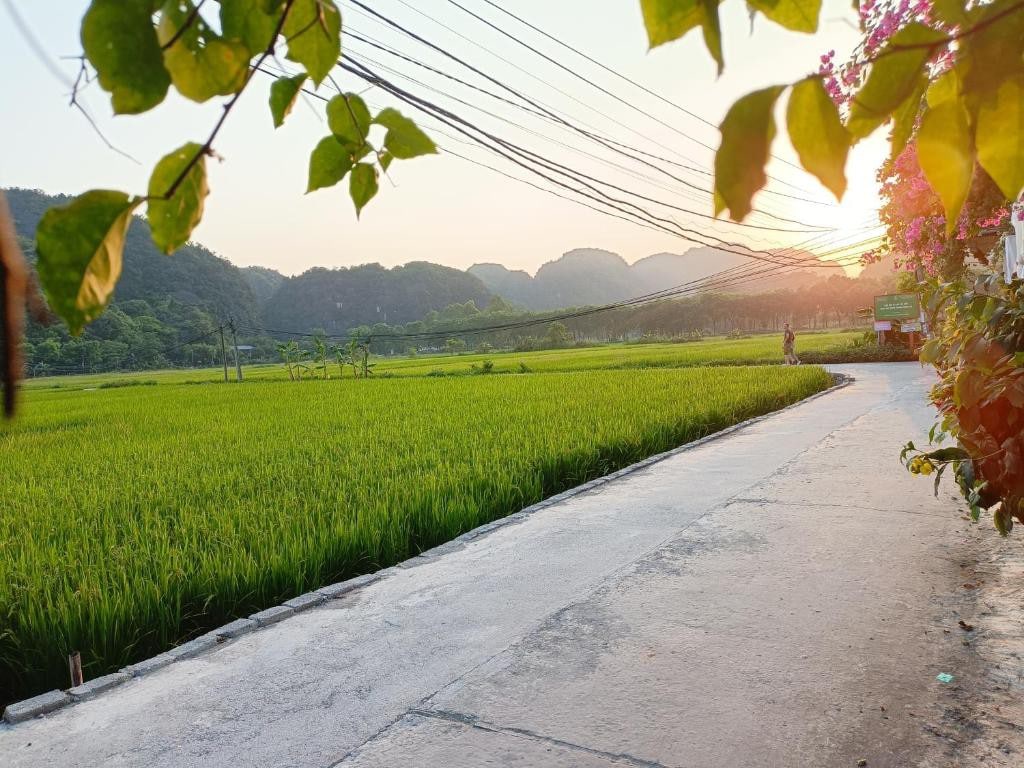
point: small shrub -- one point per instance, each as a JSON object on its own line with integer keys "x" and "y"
{"x": 118, "y": 383}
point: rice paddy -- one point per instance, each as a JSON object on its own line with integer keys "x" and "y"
{"x": 134, "y": 518}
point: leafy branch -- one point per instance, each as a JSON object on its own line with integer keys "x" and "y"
{"x": 138, "y": 55}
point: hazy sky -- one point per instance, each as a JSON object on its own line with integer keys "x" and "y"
{"x": 442, "y": 209}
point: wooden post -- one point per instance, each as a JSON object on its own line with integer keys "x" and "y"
{"x": 224, "y": 354}
{"x": 75, "y": 667}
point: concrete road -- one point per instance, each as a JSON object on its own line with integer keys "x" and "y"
{"x": 782, "y": 596}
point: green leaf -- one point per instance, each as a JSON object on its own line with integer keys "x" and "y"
{"x": 313, "y": 30}
{"x": 797, "y": 15}
{"x": 385, "y": 159}
{"x": 119, "y": 40}
{"x": 79, "y": 247}
{"x": 328, "y": 163}
{"x": 894, "y": 76}
{"x": 747, "y": 133}
{"x": 1000, "y": 136}
{"x": 173, "y": 220}
{"x": 202, "y": 65}
{"x": 283, "y": 93}
{"x": 249, "y": 22}
{"x": 362, "y": 185}
{"x": 348, "y": 118}
{"x": 668, "y": 20}
{"x": 946, "y": 155}
{"x": 404, "y": 139}
{"x": 818, "y": 135}
{"x": 930, "y": 351}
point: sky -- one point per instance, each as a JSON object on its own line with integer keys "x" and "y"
{"x": 444, "y": 208}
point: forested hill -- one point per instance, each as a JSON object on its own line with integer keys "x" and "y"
{"x": 339, "y": 299}
{"x": 194, "y": 276}
{"x": 332, "y": 299}
{"x": 592, "y": 276}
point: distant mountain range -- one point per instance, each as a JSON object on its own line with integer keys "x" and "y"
{"x": 338, "y": 299}
{"x": 594, "y": 276}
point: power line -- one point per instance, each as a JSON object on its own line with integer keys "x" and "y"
{"x": 507, "y": 88}
{"x": 357, "y": 58}
{"x": 588, "y": 131}
{"x": 524, "y": 158}
{"x": 597, "y": 86}
{"x": 618, "y": 74}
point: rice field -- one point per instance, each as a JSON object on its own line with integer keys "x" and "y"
{"x": 134, "y": 518}
{"x": 756, "y": 350}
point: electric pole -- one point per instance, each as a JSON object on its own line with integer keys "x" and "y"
{"x": 234, "y": 343}
{"x": 224, "y": 354}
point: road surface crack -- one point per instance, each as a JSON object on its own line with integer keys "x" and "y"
{"x": 472, "y": 721}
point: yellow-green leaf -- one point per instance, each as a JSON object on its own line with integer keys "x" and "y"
{"x": 668, "y": 20}
{"x": 944, "y": 88}
{"x": 202, "y": 65}
{"x": 747, "y": 133}
{"x": 404, "y": 139}
{"x": 894, "y": 76}
{"x": 1000, "y": 136}
{"x": 328, "y": 163}
{"x": 283, "y": 93}
{"x": 362, "y": 185}
{"x": 119, "y": 41}
{"x": 904, "y": 119}
{"x": 797, "y": 15}
{"x": 711, "y": 28}
{"x": 946, "y": 155}
{"x": 818, "y": 136}
{"x": 313, "y": 31}
{"x": 348, "y": 118}
{"x": 173, "y": 220}
{"x": 79, "y": 247}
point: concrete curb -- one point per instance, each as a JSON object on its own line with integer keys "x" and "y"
{"x": 48, "y": 702}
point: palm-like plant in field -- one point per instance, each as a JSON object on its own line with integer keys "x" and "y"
{"x": 343, "y": 357}
{"x": 320, "y": 353}
{"x": 287, "y": 353}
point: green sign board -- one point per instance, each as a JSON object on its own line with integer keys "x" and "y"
{"x": 897, "y": 306}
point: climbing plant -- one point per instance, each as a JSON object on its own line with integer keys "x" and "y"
{"x": 949, "y": 71}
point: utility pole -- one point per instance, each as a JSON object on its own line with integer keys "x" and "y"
{"x": 234, "y": 343}
{"x": 224, "y": 354}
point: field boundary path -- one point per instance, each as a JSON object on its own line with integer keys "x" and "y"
{"x": 783, "y": 595}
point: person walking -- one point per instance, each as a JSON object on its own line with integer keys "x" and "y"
{"x": 789, "y": 346}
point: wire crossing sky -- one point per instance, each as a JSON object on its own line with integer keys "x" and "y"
{"x": 633, "y": 125}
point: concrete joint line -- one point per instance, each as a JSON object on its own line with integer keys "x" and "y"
{"x": 471, "y": 721}
{"x": 52, "y": 700}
